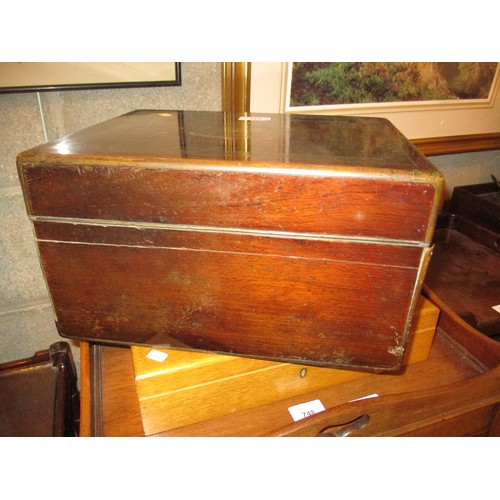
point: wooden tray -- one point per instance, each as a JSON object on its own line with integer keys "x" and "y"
{"x": 455, "y": 392}
{"x": 465, "y": 271}
{"x": 213, "y": 385}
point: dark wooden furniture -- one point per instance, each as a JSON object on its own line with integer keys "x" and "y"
{"x": 39, "y": 395}
{"x": 465, "y": 272}
{"x": 479, "y": 203}
{"x": 455, "y": 392}
{"x": 285, "y": 237}
{"x": 465, "y": 267}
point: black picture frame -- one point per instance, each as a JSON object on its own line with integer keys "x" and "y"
{"x": 83, "y": 72}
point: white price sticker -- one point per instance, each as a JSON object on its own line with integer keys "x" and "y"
{"x": 497, "y": 308}
{"x": 255, "y": 118}
{"x": 157, "y": 355}
{"x": 298, "y": 412}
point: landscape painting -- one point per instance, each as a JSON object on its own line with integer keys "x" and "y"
{"x": 344, "y": 83}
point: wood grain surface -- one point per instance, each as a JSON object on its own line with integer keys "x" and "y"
{"x": 285, "y": 237}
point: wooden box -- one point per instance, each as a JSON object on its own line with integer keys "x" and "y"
{"x": 291, "y": 238}
{"x": 478, "y": 202}
{"x": 178, "y": 388}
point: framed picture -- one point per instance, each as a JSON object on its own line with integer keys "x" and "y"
{"x": 380, "y": 86}
{"x": 42, "y": 76}
{"x": 465, "y": 118}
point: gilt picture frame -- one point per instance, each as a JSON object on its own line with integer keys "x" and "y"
{"x": 386, "y": 87}
{"x": 435, "y": 128}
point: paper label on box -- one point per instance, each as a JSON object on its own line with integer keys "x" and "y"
{"x": 298, "y": 412}
{"x": 255, "y": 118}
{"x": 497, "y": 308}
{"x": 157, "y": 355}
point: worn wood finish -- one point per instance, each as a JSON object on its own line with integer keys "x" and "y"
{"x": 213, "y": 385}
{"x": 445, "y": 366}
{"x": 266, "y": 305}
{"x": 471, "y": 340}
{"x": 300, "y": 203}
{"x": 452, "y": 393}
{"x": 284, "y": 237}
{"x": 469, "y": 409}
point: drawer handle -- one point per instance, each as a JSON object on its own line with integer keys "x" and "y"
{"x": 344, "y": 430}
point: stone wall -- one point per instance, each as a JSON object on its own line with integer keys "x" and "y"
{"x": 32, "y": 118}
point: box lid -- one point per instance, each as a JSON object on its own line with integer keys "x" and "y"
{"x": 206, "y": 169}
{"x": 287, "y": 140}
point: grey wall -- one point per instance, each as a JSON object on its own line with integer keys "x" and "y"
{"x": 29, "y": 119}
{"x": 467, "y": 168}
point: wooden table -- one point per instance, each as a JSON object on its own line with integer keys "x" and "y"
{"x": 455, "y": 392}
